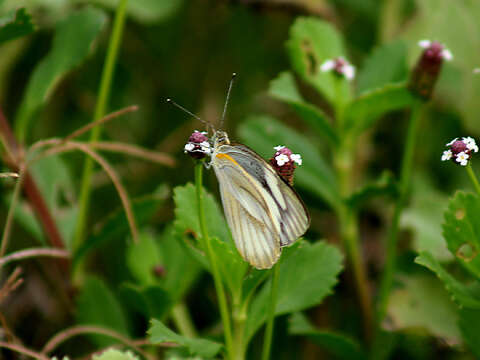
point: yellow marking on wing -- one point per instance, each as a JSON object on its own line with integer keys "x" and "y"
{"x": 228, "y": 157}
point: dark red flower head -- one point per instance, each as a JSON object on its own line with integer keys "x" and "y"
{"x": 284, "y": 162}
{"x": 198, "y": 146}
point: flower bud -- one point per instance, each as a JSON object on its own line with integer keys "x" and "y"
{"x": 340, "y": 66}
{"x": 283, "y": 161}
{"x": 460, "y": 151}
{"x": 427, "y": 69}
{"x": 198, "y": 146}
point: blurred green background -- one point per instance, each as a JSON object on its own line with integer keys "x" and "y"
{"x": 187, "y": 50}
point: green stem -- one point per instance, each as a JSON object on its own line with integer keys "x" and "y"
{"x": 474, "y": 179}
{"x": 349, "y": 232}
{"x": 182, "y": 320}
{"x": 103, "y": 96}
{"x": 392, "y": 239}
{"x": 267, "y": 341}
{"x": 239, "y": 319}
{"x": 207, "y": 247}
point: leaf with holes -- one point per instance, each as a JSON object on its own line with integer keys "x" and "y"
{"x": 461, "y": 230}
{"x": 311, "y": 42}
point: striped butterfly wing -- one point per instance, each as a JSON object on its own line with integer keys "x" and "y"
{"x": 263, "y": 211}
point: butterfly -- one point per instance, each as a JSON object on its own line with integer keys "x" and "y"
{"x": 263, "y": 211}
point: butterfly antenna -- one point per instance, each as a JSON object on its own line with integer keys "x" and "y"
{"x": 226, "y": 100}
{"x": 170, "y": 101}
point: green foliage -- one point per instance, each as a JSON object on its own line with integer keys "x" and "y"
{"x": 146, "y": 11}
{"x": 311, "y": 42}
{"x": 422, "y": 303}
{"x": 97, "y": 305}
{"x": 339, "y": 345}
{"x": 262, "y": 133}
{"x": 186, "y": 214}
{"x": 459, "y": 292}
{"x": 15, "y": 24}
{"x": 365, "y": 110}
{"x": 307, "y": 275}
{"x": 113, "y": 354}
{"x": 470, "y": 326}
{"x": 73, "y": 42}
{"x": 284, "y": 88}
{"x": 385, "y": 185}
{"x": 386, "y": 64}
{"x": 159, "y": 333}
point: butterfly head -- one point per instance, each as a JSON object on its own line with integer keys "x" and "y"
{"x": 220, "y": 138}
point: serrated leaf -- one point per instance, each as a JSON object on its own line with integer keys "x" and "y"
{"x": 460, "y": 293}
{"x": 311, "y": 42}
{"x": 461, "y": 230}
{"x": 422, "y": 302}
{"x": 186, "y": 213}
{"x": 262, "y": 133}
{"x": 364, "y": 111}
{"x": 469, "y": 323}
{"x": 15, "y": 24}
{"x": 386, "y": 64}
{"x": 113, "y": 354}
{"x": 284, "y": 88}
{"x": 307, "y": 275}
{"x": 97, "y": 305}
{"x": 73, "y": 42}
{"x": 386, "y": 185}
{"x": 116, "y": 227}
{"x": 146, "y": 11}
{"x": 339, "y": 345}
{"x": 159, "y": 333}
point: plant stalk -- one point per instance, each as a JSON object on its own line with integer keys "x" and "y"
{"x": 473, "y": 178}
{"x": 267, "y": 341}
{"x": 392, "y": 239}
{"x": 207, "y": 247}
{"x": 182, "y": 320}
{"x": 104, "y": 94}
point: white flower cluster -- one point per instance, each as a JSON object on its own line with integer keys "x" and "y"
{"x": 341, "y": 66}
{"x": 446, "y": 54}
{"x": 461, "y": 153}
{"x": 284, "y": 158}
{"x": 203, "y": 147}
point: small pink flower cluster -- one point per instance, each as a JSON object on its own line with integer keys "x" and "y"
{"x": 198, "y": 146}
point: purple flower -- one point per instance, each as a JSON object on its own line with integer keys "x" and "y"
{"x": 460, "y": 151}
{"x": 198, "y": 146}
{"x": 284, "y": 162}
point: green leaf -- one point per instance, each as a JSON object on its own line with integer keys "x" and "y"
{"x": 262, "y": 133}
{"x": 364, "y": 111}
{"x": 424, "y": 216}
{"x": 307, "y": 275}
{"x": 387, "y": 64}
{"x": 97, "y": 305}
{"x": 150, "y": 301}
{"x": 159, "y": 333}
{"x": 116, "y": 227}
{"x": 384, "y": 186}
{"x": 15, "y": 24}
{"x": 460, "y": 293}
{"x": 74, "y": 38}
{"x": 312, "y": 42}
{"x": 146, "y": 11}
{"x": 186, "y": 213}
{"x": 142, "y": 259}
{"x": 461, "y": 230}
{"x": 339, "y": 345}
{"x": 113, "y": 354}
{"x": 470, "y": 326}
{"x": 284, "y": 88}
{"x": 422, "y": 302}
